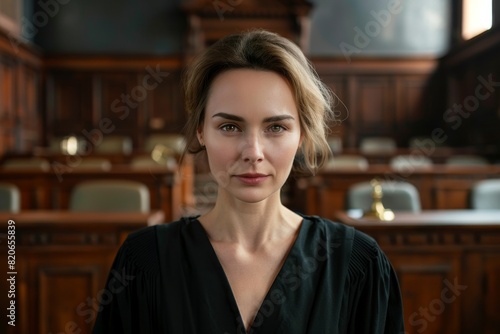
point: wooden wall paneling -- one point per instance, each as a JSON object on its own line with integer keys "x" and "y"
{"x": 62, "y": 287}
{"x": 424, "y": 309}
{"x": 133, "y": 96}
{"x": 382, "y": 96}
{"x": 482, "y": 298}
{"x": 164, "y": 108}
{"x": 453, "y": 191}
{"x": 352, "y": 137}
{"x": 207, "y": 26}
{"x": 69, "y": 103}
{"x": 34, "y": 187}
{"x": 121, "y": 103}
{"x": 29, "y": 117}
{"x": 467, "y": 67}
{"x": 410, "y": 105}
{"x": 370, "y": 90}
{"x": 4, "y": 284}
{"x": 19, "y": 94}
{"x": 339, "y": 127}
{"x": 452, "y": 194}
{"x": 8, "y": 101}
{"x": 65, "y": 261}
{"x": 491, "y": 277}
{"x": 447, "y": 269}
{"x": 373, "y": 106}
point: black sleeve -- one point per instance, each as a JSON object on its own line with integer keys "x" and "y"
{"x": 378, "y": 307}
{"x": 125, "y": 302}
{"x": 114, "y": 301}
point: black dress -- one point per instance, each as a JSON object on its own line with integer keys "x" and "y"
{"x": 168, "y": 279}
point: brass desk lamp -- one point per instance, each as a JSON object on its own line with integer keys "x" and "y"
{"x": 377, "y": 209}
{"x": 164, "y": 156}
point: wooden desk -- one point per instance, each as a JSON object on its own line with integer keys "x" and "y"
{"x": 430, "y": 219}
{"x": 438, "y": 155}
{"x": 62, "y": 262}
{"x": 440, "y": 187}
{"x": 51, "y": 189}
{"x": 448, "y": 265}
{"x": 184, "y": 172}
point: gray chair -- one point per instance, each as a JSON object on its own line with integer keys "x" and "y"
{"x": 110, "y": 196}
{"x": 347, "y": 162}
{"x": 464, "y": 160}
{"x": 93, "y": 164}
{"x": 10, "y": 198}
{"x": 397, "y": 196}
{"x": 374, "y": 145}
{"x": 410, "y": 162}
{"x": 485, "y": 195}
{"x": 114, "y": 145}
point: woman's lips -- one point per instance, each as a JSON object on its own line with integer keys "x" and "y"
{"x": 251, "y": 179}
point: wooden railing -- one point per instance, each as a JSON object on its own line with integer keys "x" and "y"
{"x": 440, "y": 187}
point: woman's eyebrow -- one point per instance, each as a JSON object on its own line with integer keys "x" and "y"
{"x": 229, "y": 116}
{"x": 278, "y": 118}
{"x": 266, "y": 120}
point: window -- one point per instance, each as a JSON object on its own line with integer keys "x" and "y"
{"x": 477, "y": 17}
{"x": 10, "y": 15}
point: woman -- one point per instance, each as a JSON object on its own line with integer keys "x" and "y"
{"x": 250, "y": 265}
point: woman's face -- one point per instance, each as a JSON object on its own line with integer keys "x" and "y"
{"x": 251, "y": 132}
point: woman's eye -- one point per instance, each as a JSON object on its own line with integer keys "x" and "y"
{"x": 229, "y": 128}
{"x": 276, "y": 128}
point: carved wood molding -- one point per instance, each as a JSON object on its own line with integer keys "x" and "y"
{"x": 71, "y": 239}
{"x": 364, "y": 66}
{"x": 462, "y": 239}
{"x": 18, "y": 49}
{"x": 110, "y": 63}
{"x": 211, "y": 20}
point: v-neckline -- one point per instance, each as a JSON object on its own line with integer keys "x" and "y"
{"x": 271, "y": 288}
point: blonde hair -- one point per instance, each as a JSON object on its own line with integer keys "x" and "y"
{"x": 263, "y": 50}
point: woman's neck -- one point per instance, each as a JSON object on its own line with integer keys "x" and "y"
{"x": 250, "y": 224}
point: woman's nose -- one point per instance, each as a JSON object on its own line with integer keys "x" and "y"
{"x": 253, "y": 150}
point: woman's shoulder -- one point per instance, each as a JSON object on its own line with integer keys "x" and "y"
{"x": 141, "y": 247}
{"x": 361, "y": 244}
{"x": 150, "y": 233}
{"x": 361, "y": 250}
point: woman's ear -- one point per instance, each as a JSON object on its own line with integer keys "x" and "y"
{"x": 199, "y": 134}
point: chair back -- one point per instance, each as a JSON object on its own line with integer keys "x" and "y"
{"x": 485, "y": 195}
{"x": 377, "y": 145}
{"x": 114, "y": 144}
{"x": 397, "y": 196}
{"x": 94, "y": 163}
{"x": 110, "y": 196}
{"x": 347, "y": 162}
{"x": 410, "y": 162}
{"x": 10, "y": 199}
{"x": 466, "y": 160}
